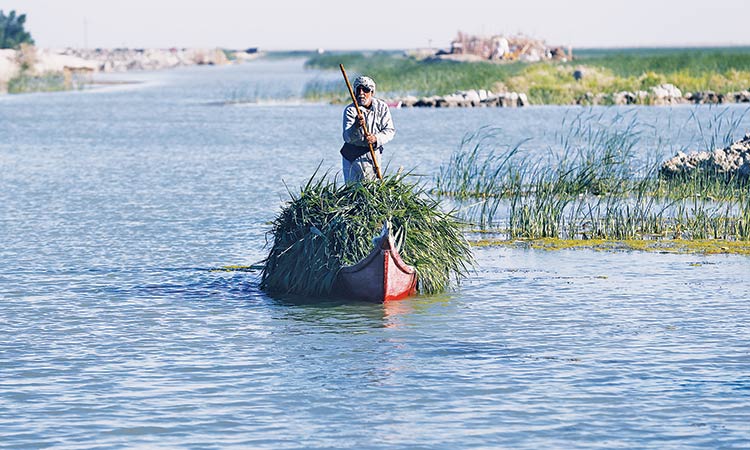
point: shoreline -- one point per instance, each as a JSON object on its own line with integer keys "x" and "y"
{"x": 37, "y": 70}
{"x": 32, "y": 69}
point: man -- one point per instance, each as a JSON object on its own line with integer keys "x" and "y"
{"x": 356, "y": 159}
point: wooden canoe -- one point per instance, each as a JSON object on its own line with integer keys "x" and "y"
{"x": 379, "y": 277}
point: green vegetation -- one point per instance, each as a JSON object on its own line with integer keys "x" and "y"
{"x": 700, "y": 246}
{"x": 399, "y": 75}
{"x": 12, "y": 33}
{"x": 594, "y": 187}
{"x": 25, "y": 83}
{"x": 327, "y": 226}
{"x": 721, "y": 70}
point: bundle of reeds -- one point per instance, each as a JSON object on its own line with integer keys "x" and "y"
{"x": 327, "y": 226}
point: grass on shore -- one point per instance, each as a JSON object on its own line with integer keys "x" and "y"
{"x": 720, "y": 70}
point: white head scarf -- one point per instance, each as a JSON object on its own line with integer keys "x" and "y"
{"x": 364, "y": 81}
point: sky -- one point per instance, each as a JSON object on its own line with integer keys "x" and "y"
{"x": 378, "y": 24}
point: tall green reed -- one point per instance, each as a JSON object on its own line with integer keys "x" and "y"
{"x": 592, "y": 185}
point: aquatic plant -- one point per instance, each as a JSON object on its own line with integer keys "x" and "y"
{"x": 396, "y": 74}
{"x": 592, "y": 185}
{"x": 326, "y": 226}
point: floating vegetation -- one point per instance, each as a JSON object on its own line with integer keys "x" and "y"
{"x": 238, "y": 268}
{"x": 594, "y": 187}
{"x": 326, "y": 226}
{"x": 699, "y": 246}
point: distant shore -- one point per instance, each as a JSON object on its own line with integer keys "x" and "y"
{"x": 37, "y": 69}
{"x": 602, "y": 77}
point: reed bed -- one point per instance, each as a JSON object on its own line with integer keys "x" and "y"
{"x": 327, "y": 226}
{"x": 397, "y": 75}
{"x": 721, "y": 70}
{"x": 593, "y": 186}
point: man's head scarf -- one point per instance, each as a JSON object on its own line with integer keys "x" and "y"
{"x": 364, "y": 81}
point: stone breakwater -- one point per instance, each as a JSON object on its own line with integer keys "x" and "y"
{"x": 733, "y": 160}
{"x": 663, "y": 94}
{"x": 465, "y": 99}
{"x": 121, "y": 60}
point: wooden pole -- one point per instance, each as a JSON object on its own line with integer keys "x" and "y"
{"x": 364, "y": 124}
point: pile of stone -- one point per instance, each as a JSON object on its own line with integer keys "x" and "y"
{"x": 663, "y": 94}
{"x": 465, "y": 99}
{"x": 733, "y": 160}
{"x": 466, "y": 47}
{"x": 712, "y": 97}
{"x": 125, "y": 59}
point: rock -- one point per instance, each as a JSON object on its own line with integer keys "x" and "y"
{"x": 623, "y": 98}
{"x": 491, "y": 100}
{"x": 408, "y": 101}
{"x": 733, "y": 160}
{"x": 665, "y": 94}
{"x": 466, "y": 99}
{"x": 510, "y": 100}
{"x": 427, "y": 102}
{"x": 704, "y": 97}
{"x": 472, "y": 98}
{"x": 741, "y": 96}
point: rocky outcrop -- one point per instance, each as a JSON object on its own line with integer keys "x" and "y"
{"x": 465, "y": 99}
{"x": 733, "y": 160}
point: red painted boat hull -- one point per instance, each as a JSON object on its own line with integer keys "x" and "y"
{"x": 380, "y": 277}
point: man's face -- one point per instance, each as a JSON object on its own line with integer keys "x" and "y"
{"x": 364, "y": 95}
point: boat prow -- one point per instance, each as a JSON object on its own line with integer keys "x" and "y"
{"x": 380, "y": 276}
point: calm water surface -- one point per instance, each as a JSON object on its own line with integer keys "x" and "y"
{"x": 115, "y": 204}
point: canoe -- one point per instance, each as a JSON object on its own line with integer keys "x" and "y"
{"x": 381, "y": 276}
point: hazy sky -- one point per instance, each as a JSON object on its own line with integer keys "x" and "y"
{"x": 379, "y": 24}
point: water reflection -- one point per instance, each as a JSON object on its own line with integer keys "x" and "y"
{"x": 100, "y": 293}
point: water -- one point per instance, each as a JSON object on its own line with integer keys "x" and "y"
{"x": 115, "y": 204}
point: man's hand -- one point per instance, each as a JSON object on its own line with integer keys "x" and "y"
{"x": 361, "y": 121}
{"x": 372, "y": 139}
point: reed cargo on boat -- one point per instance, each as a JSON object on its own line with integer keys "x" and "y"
{"x": 327, "y": 226}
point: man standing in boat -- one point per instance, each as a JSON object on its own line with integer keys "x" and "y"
{"x": 357, "y": 161}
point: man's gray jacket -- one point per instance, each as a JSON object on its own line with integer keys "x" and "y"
{"x": 379, "y": 123}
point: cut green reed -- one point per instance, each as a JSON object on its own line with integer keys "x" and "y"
{"x": 327, "y": 226}
{"x": 593, "y": 186}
